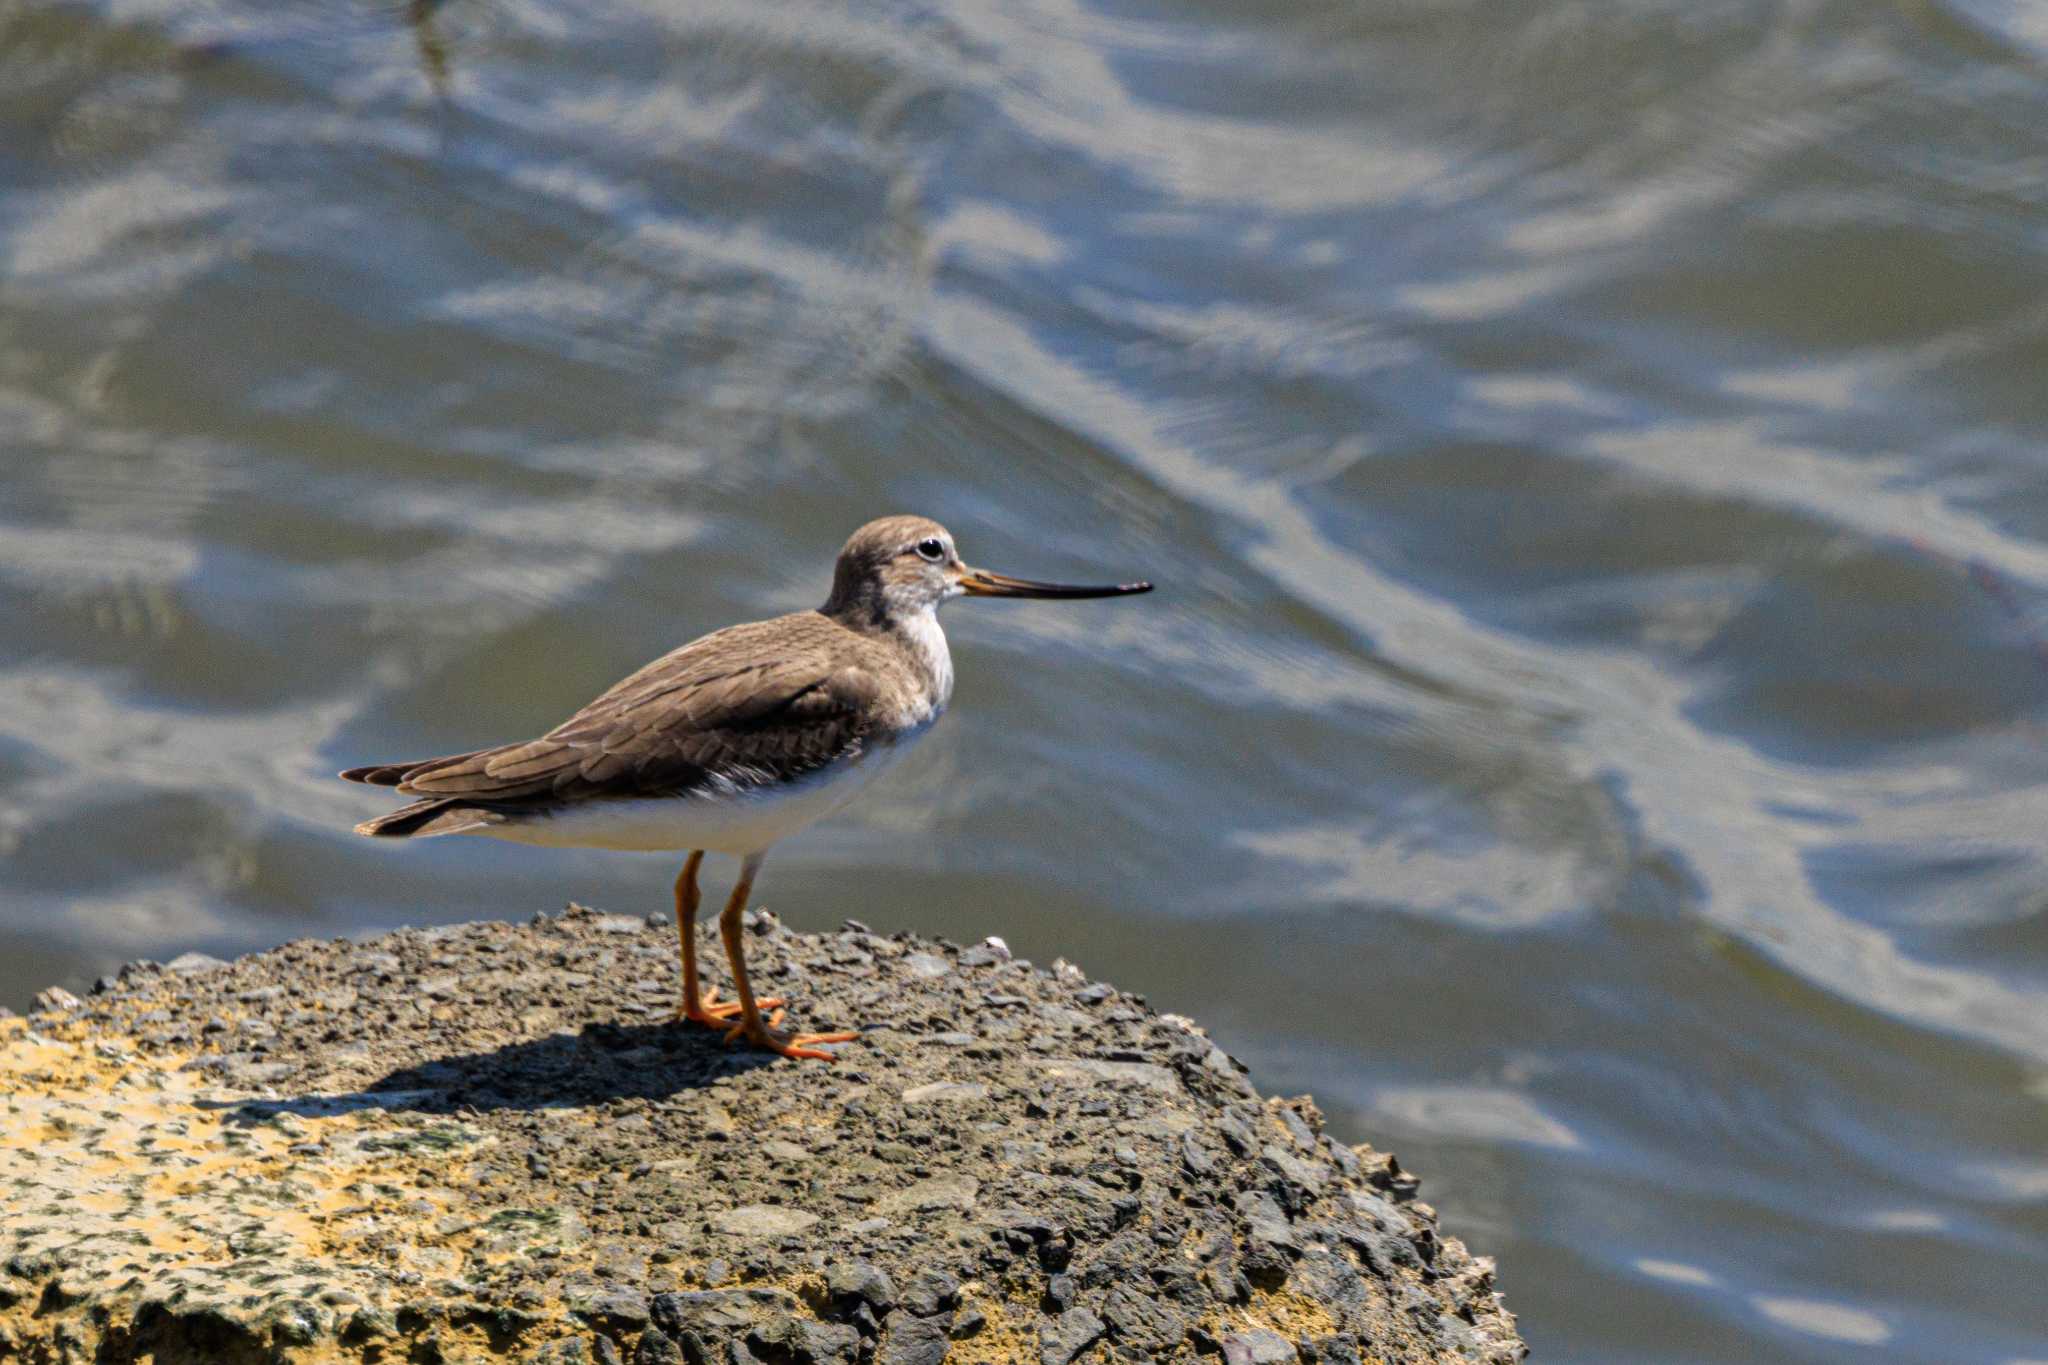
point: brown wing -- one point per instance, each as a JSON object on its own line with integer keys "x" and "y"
{"x": 731, "y": 706}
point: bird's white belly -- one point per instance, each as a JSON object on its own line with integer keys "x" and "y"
{"x": 736, "y": 822}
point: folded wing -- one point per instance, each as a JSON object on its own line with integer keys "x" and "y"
{"x": 684, "y": 722}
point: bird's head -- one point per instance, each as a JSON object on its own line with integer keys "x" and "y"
{"x": 895, "y": 568}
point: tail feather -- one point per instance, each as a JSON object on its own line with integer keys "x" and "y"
{"x": 425, "y": 819}
{"x": 394, "y": 774}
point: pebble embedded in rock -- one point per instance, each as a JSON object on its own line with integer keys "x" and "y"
{"x": 946, "y": 1092}
{"x": 911, "y": 1340}
{"x": 932, "y": 1292}
{"x": 258, "y": 1075}
{"x": 1118, "y": 1075}
{"x": 1144, "y": 1319}
{"x": 763, "y": 1220}
{"x": 618, "y": 1308}
{"x": 1074, "y": 1332}
{"x": 1259, "y": 1346}
{"x": 861, "y": 1282}
{"x": 656, "y": 1347}
{"x": 782, "y": 1335}
{"x": 929, "y": 1196}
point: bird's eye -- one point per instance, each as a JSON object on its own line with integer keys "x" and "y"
{"x": 933, "y": 549}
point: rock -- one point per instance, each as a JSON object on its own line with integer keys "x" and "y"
{"x": 851, "y": 1282}
{"x": 1336, "y": 1349}
{"x": 1143, "y": 1320}
{"x": 656, "y": 1347}
{"x": 927, "y": 1196}
{"x": 763, "y": 1220}
{"x": 911, "y": 1340}
{"x": 614, "y": 1308}
{"x": 1116, "y": 1075}
{"x": 785, "y": 1336}
{"x": 1289, "y": 1112}
{"x": 1330, "y": 1280}
{"x": 988, "y": 953}
{"x": 423, "y": 1140}
{"x": 1297, "y": 1182}
{"x": 1259, "y": 1346}
{"x": 192, "y": 963}
{"x": 702, "y": 1325}
{"x": 1074, "y": 1332}
{"x": 57, "y": 998}
{"x": 931, "y": 1293}
{"x": 256, "y": 1075}
{"x": 1266, "y": 1261}
{"x": 946, "y": 1092}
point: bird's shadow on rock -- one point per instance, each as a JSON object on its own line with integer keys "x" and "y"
{"x": 604, "y": 1061}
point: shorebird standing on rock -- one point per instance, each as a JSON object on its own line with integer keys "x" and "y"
{"x": 734, "y": 741}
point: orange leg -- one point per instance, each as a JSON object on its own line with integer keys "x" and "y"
{"x": 705, "y": 1007}
{"x": 761, "y": 1033}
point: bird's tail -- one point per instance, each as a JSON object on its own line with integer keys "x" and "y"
{"x": 394, "y": 774}
{"x": 425, "y": 819}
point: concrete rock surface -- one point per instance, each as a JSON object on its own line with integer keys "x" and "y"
{"x": 491, "y": 1142}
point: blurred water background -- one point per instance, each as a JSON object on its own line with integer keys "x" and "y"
{"x": 1595, "y": 455}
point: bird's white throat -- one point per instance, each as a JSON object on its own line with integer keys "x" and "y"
{"x": 928, "y": 645}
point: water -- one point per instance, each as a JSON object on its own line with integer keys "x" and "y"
{"x": 1595, "y": 456}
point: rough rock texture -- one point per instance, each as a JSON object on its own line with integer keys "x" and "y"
{"x": 490, "y": 1142}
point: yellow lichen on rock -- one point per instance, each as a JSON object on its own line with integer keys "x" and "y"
{"x": 136, "y": 1182}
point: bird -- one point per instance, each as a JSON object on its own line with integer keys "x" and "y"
{"x": 730, "y": 744}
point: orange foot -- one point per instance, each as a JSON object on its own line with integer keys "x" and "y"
{"x": 768, "y": 1037}
{"x": 712, "y": 1012}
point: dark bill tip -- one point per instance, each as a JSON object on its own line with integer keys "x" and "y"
{"x": 982, "y": 583}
